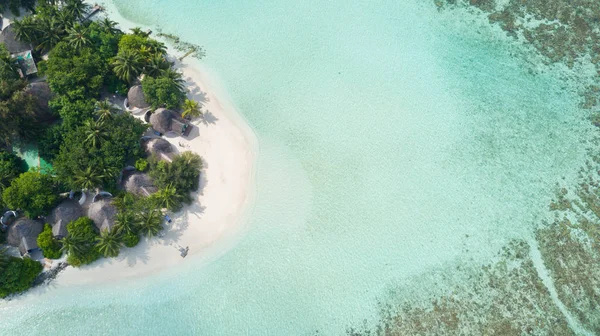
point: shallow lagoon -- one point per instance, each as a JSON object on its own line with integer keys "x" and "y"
{"x": 393, "y": 142}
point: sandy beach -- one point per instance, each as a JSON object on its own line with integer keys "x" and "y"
{"x": 210, "y": 224}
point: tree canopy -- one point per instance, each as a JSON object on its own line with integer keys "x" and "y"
{"x": 33, "y": 192}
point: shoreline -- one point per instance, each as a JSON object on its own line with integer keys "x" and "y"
{"x": 209, "y": 225}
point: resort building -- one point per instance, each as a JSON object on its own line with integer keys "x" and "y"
{"x": 23, "y": 234}
{"x": 160, "y": 148}
{"x": 20, "y": 51}
{"x": 140, "y": 184}
{"x": 136, "y": 99}
{"x": 165, "y": 121}
{"x": 66, "y": 212}
{"x": 103, "y": 214}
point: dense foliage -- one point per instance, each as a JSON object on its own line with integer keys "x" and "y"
{"x": 11, "y": 166}
{"x": 182, "y": 174}
{"x": 94, "y": 153}
{"x": 80, "y": 244}
{"x": 33, "y": 192}
{"x": 16, "y": 274}
{"x": 50, "y": 246}
{"x": 163, "y": 92}
{"x": 18, "y": 110}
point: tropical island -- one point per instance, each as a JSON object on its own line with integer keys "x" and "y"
{"x": 89, "y": 119}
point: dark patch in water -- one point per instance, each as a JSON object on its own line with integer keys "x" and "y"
{"x": 507, "y": 296}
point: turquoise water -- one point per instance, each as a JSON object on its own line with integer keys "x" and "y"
{"x": 393, "y": 141}
{"x": 29, "y": 153}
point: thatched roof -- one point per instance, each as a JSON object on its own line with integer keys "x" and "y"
{"x": 161, "y": 120}
{"x": 9, "y": 39}
{"x": 103, "y": 214}
{"x": 136, "y": 98}
{"x": 140, "y": 184}
{"x": 41, "y": 91}
{"x": 23, "y": 234}
{"x": 159, "y": 146}
{"x": 66, "y": 212}
{"x": 164, "y": 121}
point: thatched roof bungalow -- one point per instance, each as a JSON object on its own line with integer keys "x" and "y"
{"x": 159, "y": 147}
{"x": 136, "y": 98}
{"x": 23, "y": 234}
{"x": 66, "y": 212}
{"x": 8, "y": 37}
{"x": 19, "y": 50}
{"x": 103, "y": 214}
{"x": 140, "y": 184}
{"x": 165, "y": 121}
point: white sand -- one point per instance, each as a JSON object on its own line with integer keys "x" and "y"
{"x": 208, "y": 226}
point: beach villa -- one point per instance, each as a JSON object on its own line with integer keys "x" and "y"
{"x": 19, "y": 50}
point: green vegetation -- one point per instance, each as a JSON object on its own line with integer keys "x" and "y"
{"x": 80, "y": 244}
{"x": 92, "y": 140}
{"x": 191, "y": 109}
{"x": 181, "y": 175}
{"x": 16, "y": 274}
{"x": 11, "y": 166}
{"x": 109, "y": 243}
{"x": 50, "y": 246}
{"x": 141, "y": 164}
{"x": 33, "y": 192}
{"x": 164, "y": 91}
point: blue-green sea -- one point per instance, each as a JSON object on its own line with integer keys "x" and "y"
{"x": 394, "y": 139}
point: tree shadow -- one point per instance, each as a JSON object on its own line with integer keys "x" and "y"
{"x": 208, "y": 118}
{"x": 135, "y": 254}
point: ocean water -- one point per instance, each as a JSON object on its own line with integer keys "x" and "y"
{"x": 393, "y": 140}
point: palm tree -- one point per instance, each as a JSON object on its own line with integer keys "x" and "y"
{"x": 125, "y": 223}
{"x": 77, "y": 9}
{"x": 128, "y": 65}
{"x": 78, "y": 36}
{"x": 191, "y": 108}
{"x": 25, "y": 30}
{"x": 50, "y": 33}
{"x": 95, "y": 133}
{"x": 156, "y": 65}
{"x": 168, "y": 197}
{"x": 150, "y": 222}
{"x": 71, "y": 245}
{"x": 191, "y": 159}
{"x": 109, "y": 26}
{"x": 104, "y": 110}
{"x": 108, "y": 243}
{"x": 176, "y": 77}
{"x": 87, "y": 179}
{"x": 139, "y": 32}
{"x": 124, "y": 202}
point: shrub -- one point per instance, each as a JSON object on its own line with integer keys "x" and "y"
{"x": 33, "y": 192}
{"x": 18, "y": 275}
{"x": 50, "y": 246}
{"x": 141, "y": 165}
{"x": 130, "y": 239}
{"x": 83, "y": 231}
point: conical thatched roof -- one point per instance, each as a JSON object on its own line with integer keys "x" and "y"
{"x": 161, "y": 120}
{"x": 9, "y": 39}
{"x": 103, "y": 214}
{"x": 158, "y": 146}
{"x": 136, "y": 98}
{"x": 140, "y": 184}
{"x": 23, "y": 234}
{"x": 41, "y": 90}
{"x": 66, "y": 212}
